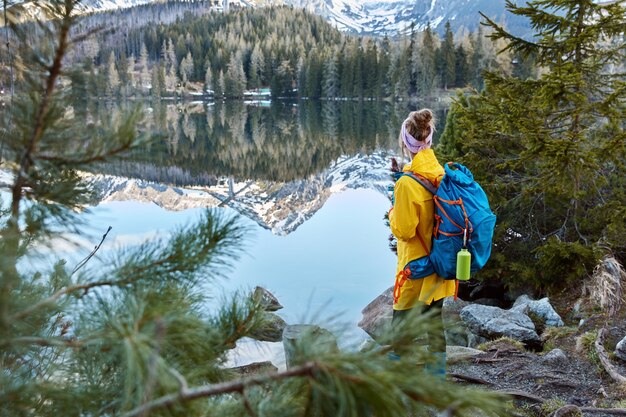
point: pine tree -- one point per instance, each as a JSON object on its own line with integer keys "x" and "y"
{"x": 113, "y": 78}
{"x": 426, "y": 72}
{"x": 384, "y": 89}
{"x": 448, "y": 56}
{"x": 220, "y": 85}
{"x": 257, "y": 64}
{"x": 477, "y": 59}
{"x": 235, "y": 78}
{"x": 157, "y": 81}
{"x": 186, "y": 68}
{"x": 330, "y": 78}
{"x": 208, "y": 78}
{"x": 551, "y": 150}
{"x": 144, "y": 71}
{"x": 130, "y": 75}
{"x": 461, "y": 67}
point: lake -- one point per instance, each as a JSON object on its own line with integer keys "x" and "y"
{"x": 309, "y": 178}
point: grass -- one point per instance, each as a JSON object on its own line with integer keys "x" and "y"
{"x": 506, "y": 340}
{"x": 552, "y": 335}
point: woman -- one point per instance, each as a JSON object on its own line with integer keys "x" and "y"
{"x": 411, "y": 219}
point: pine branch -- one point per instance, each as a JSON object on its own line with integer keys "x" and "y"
{"x": 26, "y": 161}
{"x": 44, "y": 342}
{"x": 66, "y": 291}
{"x": 187, "y": 394}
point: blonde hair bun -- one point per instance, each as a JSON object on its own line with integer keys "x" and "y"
{"x": 420, "y": 123}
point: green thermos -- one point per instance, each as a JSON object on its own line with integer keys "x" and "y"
{"x": 463, "y": 260}
{"x": 463, "y": 263}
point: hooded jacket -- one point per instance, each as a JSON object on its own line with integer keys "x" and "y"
{"x": 412, "y": 218}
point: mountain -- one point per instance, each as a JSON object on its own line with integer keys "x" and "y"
{"x": 279, "y": 207}
{"x": 380, "y": 17}
{"x": 371, "y": 17}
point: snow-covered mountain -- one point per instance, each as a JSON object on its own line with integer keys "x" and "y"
{"x": 375, "y": 17}
{"x": 397, "y": 16}
{"x": 279, "y": 207}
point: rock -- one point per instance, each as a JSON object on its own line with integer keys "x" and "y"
{"x": 620, "y": 349}
{"x": 273, "y": 329}
{"x": 475, "y": 340}
{"x": 494, "y": 302}
{"x": 309, "y": 334}
{"x": 368, "y": 345}
{"x": 267, "y": 300}
{"x": 555, "y": 357}
{"x": 451, "y": 309}
{"x": 542, "y": 309}
{"x": 457, "y": 333}
{"x": 256, "y": 368}
{"x": 377, "y": 315}
{"x": 461, "y": 353}
{"x": 494, "y": 322}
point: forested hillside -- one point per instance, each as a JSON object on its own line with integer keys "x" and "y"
{"x": 290, "y": 50}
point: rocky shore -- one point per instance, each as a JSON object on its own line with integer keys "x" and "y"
{"x": 568, "y": 360}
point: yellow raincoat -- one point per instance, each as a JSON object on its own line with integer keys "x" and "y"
{"x": 413, "y": 212}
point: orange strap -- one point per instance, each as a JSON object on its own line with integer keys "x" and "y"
{"x": 400, "y": 280}
{"x": 456, "y": 289}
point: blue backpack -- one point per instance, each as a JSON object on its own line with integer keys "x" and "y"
{"x": 461, "y": 213}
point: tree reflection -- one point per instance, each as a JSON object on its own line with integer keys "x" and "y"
{"x": 285, "y": 141}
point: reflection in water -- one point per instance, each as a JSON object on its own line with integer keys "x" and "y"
{"x": 283, "y": 142}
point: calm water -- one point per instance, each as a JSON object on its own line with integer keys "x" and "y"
{"x": 308, "y": 178}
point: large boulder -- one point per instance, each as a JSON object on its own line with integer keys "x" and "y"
{"x": 272, "y": 329}
{"x": 377, "y": 315}
{"x": 541, "y": 309}
{"x": 494, "y": 322}
{"x": 456, "y": 331}
{"x": 620, "y": 349}
{"x": 306, "y": 336}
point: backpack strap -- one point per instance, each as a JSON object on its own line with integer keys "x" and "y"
{"x": 432, "y": 188}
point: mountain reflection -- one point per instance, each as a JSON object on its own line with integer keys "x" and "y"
{"x": 197, "y": 143}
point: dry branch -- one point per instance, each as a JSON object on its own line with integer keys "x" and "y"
{"x": 606, "y": 362}
{"x": 205, "y": 391}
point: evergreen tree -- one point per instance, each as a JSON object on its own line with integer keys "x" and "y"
{"x": 551, "y": 150}
{"x": 257, "y": 65}
{"x": 208, "y": 78}
{"x": 370, "y": 69}
{"x": 477, "y": 60}
{"x": 130, "y": 75}
{"x": 283, "y": 81}
{"x": 235, "y": 78}
{"x": 357, "y": 70}
{"x": 113, "y": 78}
{"x": 144, "y": 71}
{"x": 448, "y": 58}
{"x": 123, "y": 72}
{"x": 461, "y": 67}
{"x": 426, "y": 70}
{"x": 330, "y": 78}
{"x": 220, "y": 85}
{"x": 402, "y": 74}
{"x": 158, "y": 81}
{"x": 186, "y": 68}
{"x": 314, "y": 76}
{"x": 384, "y": 61}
